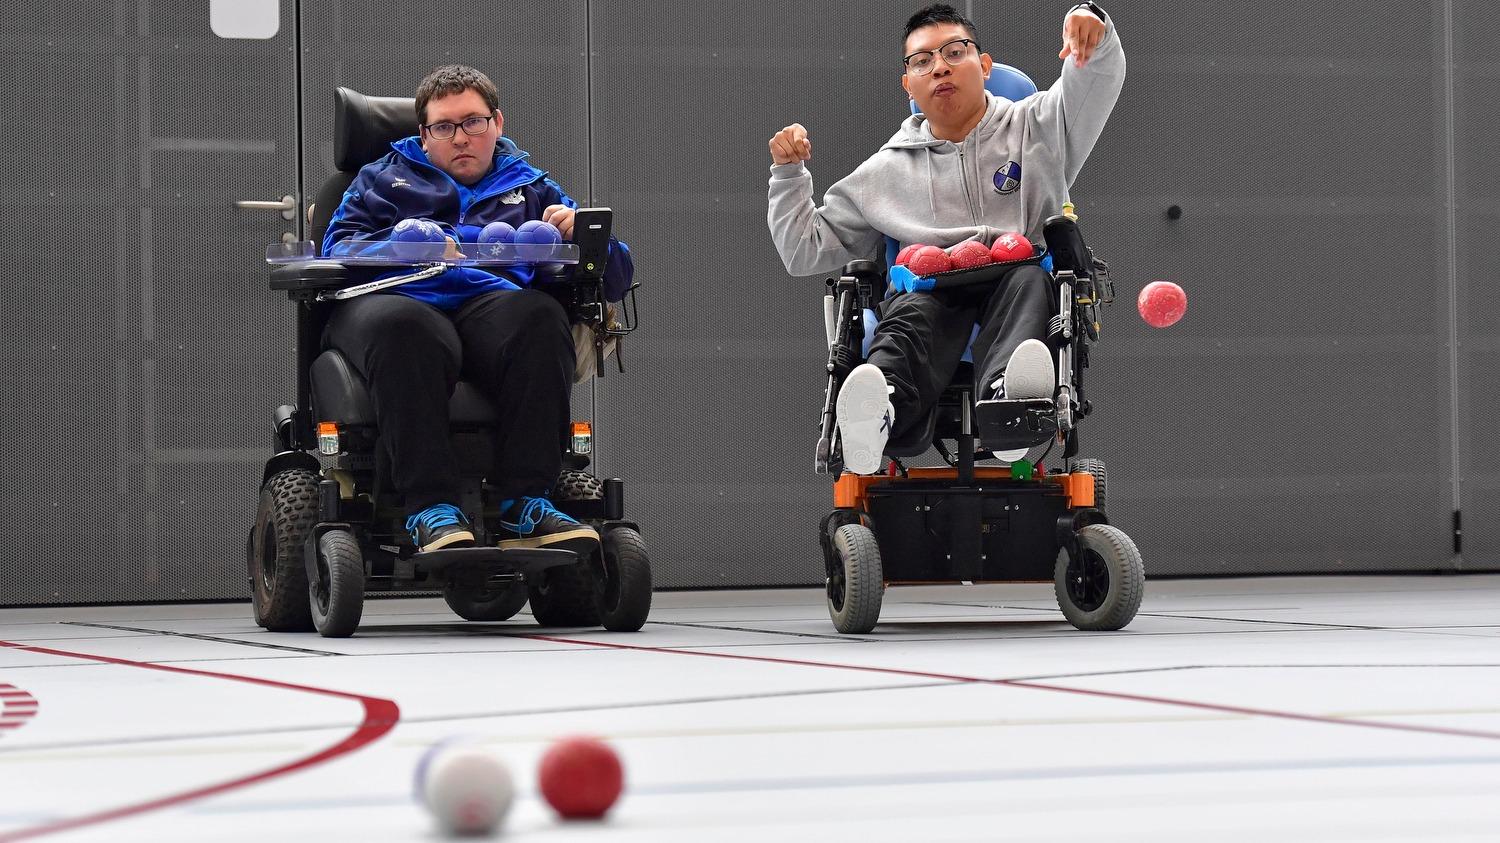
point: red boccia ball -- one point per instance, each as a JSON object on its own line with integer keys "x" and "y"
{"x": 969, "y": 254}
{"x": 903, "y": 257}
{"x": 929, "y": 260}
{"x": 1161, "y": 303}
{"x": 1012, "y": 246}
{"x": 581, "y": 778}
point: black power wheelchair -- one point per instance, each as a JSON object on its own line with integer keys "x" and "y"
{"x": 327, "y": 529}
{"x": 970, "y": 524}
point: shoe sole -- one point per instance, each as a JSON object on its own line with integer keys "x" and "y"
{"x": 1031, "y": 372}
{"x": 861, "y": 408}
{"x": 445, "y": 541}
{"x": 581, "y": 540}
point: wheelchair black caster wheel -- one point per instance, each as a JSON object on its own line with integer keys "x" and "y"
{"x": 1096, "y": 468}
{"x": 855, "y": 582}
{"x": 1101, "y": 588}
{"x": 622, "y": 594}
{"x": 497, "y": 602}
{"x": 337, "y": 597}
{"x": 564, "y": 596}
{"x": 278, "y": 577}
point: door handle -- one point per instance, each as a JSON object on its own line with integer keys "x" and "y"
{"x": 287, "y": 206}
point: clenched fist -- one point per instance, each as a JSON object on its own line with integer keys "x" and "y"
{"x": 791, "y": 145}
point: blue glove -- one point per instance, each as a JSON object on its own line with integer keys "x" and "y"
{"x": 903, "y": 280}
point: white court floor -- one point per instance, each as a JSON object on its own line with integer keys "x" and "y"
{"x": 1278, "y": 709}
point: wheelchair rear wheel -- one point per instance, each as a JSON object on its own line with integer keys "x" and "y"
{"x": 498, "y": 602}
{"x": 855, "y": 581}
{"x": 278, "y": 578}
{"x": 1101, "y": 588}
{"x": 623, "y": 592}
{"x": 337, "y": 598}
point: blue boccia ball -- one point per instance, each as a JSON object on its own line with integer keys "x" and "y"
{"x": 417, "y": 230}
{"x": 538, "y": 232}
{"x": 498, "y": 232}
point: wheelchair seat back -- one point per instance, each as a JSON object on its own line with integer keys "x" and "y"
{"x": 364, "y": 127}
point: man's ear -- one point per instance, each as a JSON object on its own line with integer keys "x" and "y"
{"x": 986, "y": 64}
{"x": 499, "y": 122}
{"x": 906, "y": 85}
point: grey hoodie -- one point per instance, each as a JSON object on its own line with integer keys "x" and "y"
{"x": 918, "y": 189}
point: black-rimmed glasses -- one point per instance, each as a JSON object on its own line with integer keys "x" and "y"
{"x": 954, "y": 53}
{"x": 471, "y": 126}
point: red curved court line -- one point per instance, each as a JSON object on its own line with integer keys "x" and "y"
{"x": 1042, "y": 686}
{"x": 380, "y": 716}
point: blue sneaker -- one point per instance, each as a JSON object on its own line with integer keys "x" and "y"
{"x": 535, "y": 522}
{"x": 438, "y": 526}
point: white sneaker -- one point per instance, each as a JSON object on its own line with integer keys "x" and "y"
{"x": 865, "y": 416}
{"x": 1031, "y": 373}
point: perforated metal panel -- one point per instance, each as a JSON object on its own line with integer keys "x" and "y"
{"x": 1299, "y": 418}
{"x": 141, "y": 330}
{"x": 1476, "y": 46}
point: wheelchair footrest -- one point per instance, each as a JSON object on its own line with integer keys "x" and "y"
{"x": 1006, "y": 424}
{"x": 524, "y": 560}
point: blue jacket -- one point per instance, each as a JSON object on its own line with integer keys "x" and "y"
{"x": 405, "y": 184}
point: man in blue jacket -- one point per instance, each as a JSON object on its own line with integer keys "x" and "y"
{"x": 414, "y": 343}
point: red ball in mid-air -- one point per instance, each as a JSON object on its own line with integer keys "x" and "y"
{"x": 903, "y": 257}
{"x": 581, "y": 778}
{"x": 929, "y": 260}
{"x": 1161, "y": 303}
{"x": 1012, "y": 246}
{"x": 969, "y": 254}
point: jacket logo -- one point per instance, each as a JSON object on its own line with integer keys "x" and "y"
{"x": 400, "y": 182}
{"x": 514, "y": 197}
{"x": 1008, "y": 178}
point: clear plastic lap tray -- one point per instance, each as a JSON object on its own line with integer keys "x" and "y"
{"x": 400, "y": 253}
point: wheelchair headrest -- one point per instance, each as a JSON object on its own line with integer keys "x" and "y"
{"x": 365, "y": 127}
{"x": 1005, "y": 82}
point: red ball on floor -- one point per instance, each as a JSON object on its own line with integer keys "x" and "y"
{"x": 581, "y": 778}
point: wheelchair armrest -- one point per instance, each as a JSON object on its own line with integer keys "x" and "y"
{"x": 867, "y": 271}
{"x": 309, "y": 275}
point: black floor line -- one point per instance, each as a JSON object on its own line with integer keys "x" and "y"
{"x": 473, "y": 715}
{"x": 202, "y": 637}
{"x": 1264, "y": 621}
{"x": 824, "y": 635}
{"x": 915, "y": 778}
{"x": 1178, "y": 667}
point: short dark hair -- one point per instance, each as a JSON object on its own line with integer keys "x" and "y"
{"x": 453, "y": 79}
{"x": 935, "y": 14}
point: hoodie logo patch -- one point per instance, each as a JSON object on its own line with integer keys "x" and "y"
{"x": 400, "y": 182}
{"x": 1008, "y": 178}
{"x": 514, "y": 197}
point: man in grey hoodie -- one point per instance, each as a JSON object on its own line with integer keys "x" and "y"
{"x": 968, "y": 166}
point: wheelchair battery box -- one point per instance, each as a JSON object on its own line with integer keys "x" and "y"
{"x": 1009, "y": 424}
{"x": 998, "y": 529}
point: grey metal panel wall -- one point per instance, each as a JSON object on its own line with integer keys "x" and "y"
{"x": 1298, "y": 418}
{"x": 1477, "y": 179}
{"x": 534, "y": 53}
{"x": 139, "y": 328}
{"x": 714, "y": 424}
